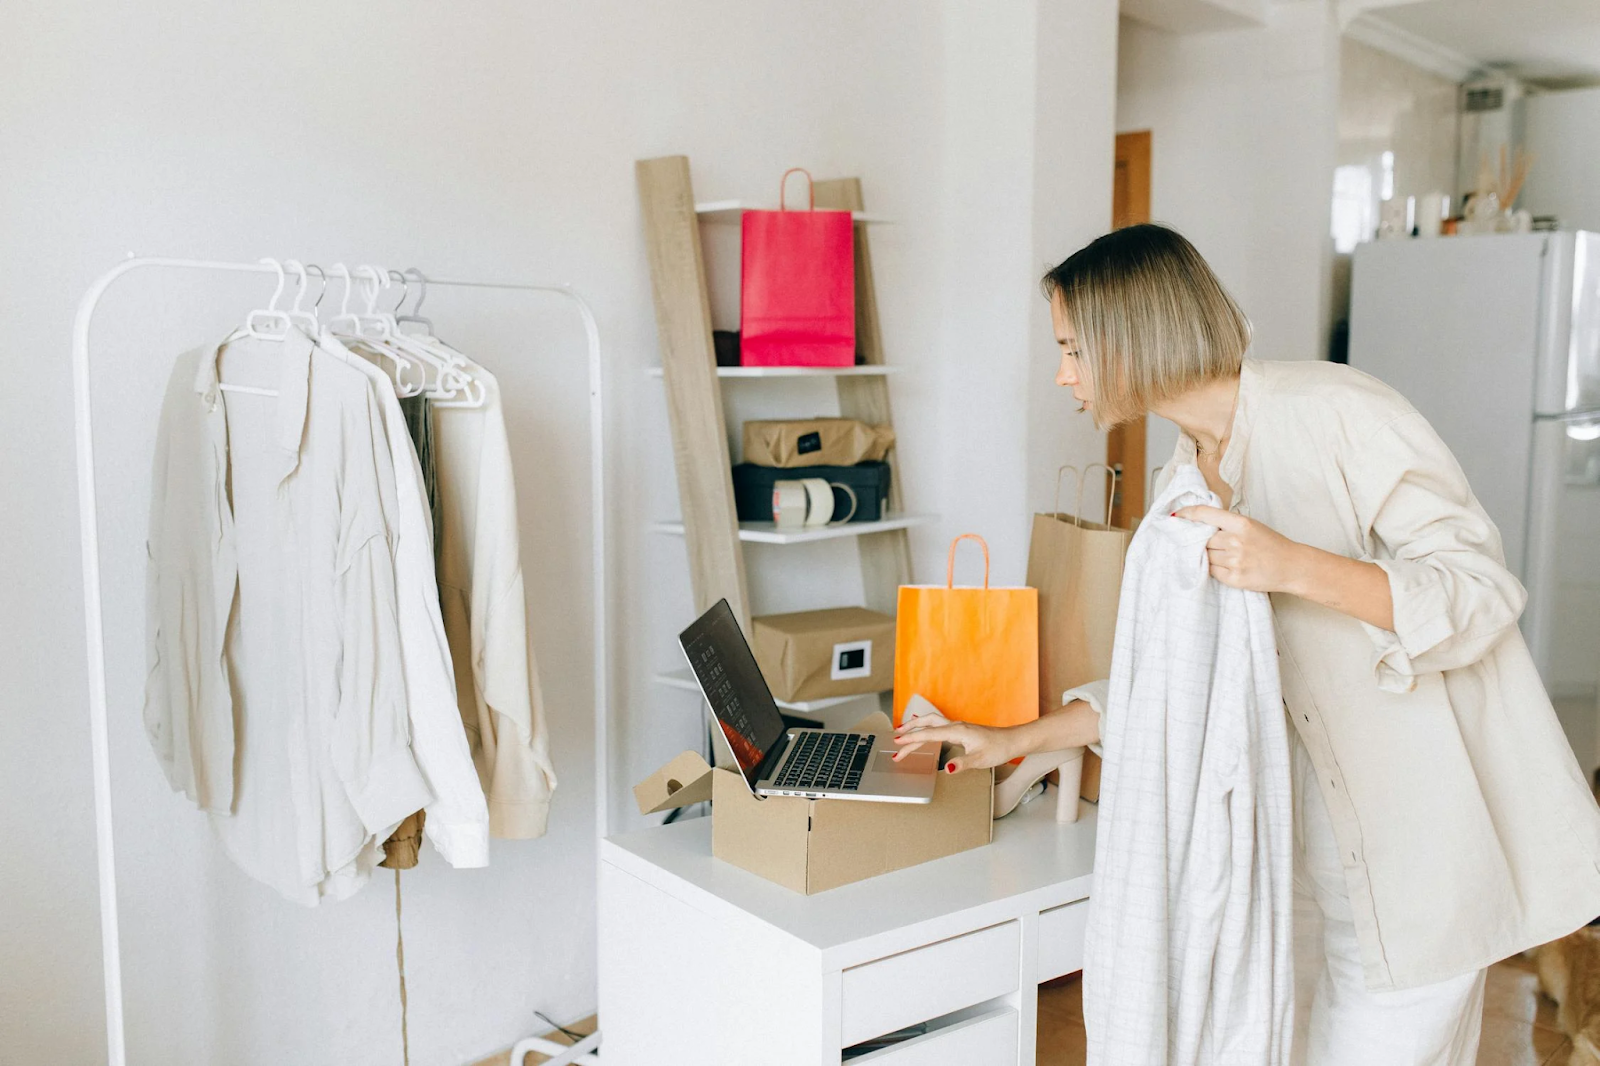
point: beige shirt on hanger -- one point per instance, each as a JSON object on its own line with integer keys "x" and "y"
{"x": 272, "y": 610}
{"x": 458, "y": 819}
{"x": 1466, "y": 828}
{"x": 485, "y": 614}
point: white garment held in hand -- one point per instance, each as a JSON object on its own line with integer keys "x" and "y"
{"x": 1188, "y": 956}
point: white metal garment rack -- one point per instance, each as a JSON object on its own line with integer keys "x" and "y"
{"x": 90, "y": 537}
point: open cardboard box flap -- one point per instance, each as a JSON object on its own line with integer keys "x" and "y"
{"x": 813, "y": 845}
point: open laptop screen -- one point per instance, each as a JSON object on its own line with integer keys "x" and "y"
{"x": 726, "y": 669}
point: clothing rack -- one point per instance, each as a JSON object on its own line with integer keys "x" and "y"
{"x": 88, "y": 521}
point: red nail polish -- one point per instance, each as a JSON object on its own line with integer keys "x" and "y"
{"x": 949, "y": 767}
{"x": 1172, "y": 514}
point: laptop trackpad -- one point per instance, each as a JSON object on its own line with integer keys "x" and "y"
{"x": 916, "y": 762}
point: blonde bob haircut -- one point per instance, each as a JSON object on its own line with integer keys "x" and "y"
{"x": 1152, "y": 320}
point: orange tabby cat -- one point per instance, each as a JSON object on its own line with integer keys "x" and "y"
{"x": 1569, "y": 970}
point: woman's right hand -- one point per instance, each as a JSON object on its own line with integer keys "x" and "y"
{"x": 1074, "y": 725}
{"x": 982, "y": 746}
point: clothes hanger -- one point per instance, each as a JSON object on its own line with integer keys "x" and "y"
{"x": 347, "y": 326}
{"x": 416, "y": 308}
{"x": 268, "y": 324}
{"x": 306, "y": 321}
{"x": 381, "y": 330}
{"x": 454, "y": 384}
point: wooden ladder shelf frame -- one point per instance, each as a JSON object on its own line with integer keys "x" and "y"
{"x": 694, "y": 392}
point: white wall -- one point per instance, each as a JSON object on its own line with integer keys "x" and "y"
{"x": 1563, "y": 135}
{"x": 494, "y": 140}
{"x": 1243, "y": 131}
{"x": 1028, "y": 157}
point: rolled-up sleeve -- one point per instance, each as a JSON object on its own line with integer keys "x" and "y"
{"x": 1097, "y": 694}
{"x": 1454, "y": 599}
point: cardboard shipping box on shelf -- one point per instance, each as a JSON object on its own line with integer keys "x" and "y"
{"x": 810, "y": 845}
{"x": 819, "y": 655}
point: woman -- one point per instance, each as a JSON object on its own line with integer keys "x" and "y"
{"x": 1442, "y": 823}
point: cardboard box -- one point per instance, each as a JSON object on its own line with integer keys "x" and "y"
{"x": 811, "y": 846}
{"x": 818, "y": 655}
{"x": 815, "y": 442}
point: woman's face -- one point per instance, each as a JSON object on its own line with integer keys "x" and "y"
{"x": 1070, "y": 375}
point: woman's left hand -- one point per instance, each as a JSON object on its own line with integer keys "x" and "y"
{"x": 1244, "y": 554}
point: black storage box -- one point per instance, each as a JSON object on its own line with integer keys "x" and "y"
{"x": 726, "y": 344}
{"x": 752, "y": 488}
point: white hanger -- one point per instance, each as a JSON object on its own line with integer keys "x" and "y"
{"x": 348, "y": 326}
{"x": 306, "y": 320}
{"x": 422, "y": 294}
{"x": 453, "y": 384}
{"x": 269, "y": 324}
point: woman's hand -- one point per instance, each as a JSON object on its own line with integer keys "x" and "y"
{"x": 983, "y": 746}
{"x": 1245, "y": 554}
{"x": 1248, "y": 555}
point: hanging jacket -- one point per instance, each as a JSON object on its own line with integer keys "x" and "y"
{"x": 272, "y": 607}
{"x": 485, "y": 614}
{"x": 458, "y": 819}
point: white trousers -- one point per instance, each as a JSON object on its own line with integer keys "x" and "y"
{"x": 1337, "y": 1021}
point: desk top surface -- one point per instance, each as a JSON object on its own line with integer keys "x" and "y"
{"x": 1032, "y": 855}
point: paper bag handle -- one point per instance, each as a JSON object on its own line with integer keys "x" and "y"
{"x": 1055, "y": 508}
{"x": 783, "y": 186}
{"x": 950, "y": 571}
{"x": 1077, "y": 507}
{"x": 1111, "y": 490}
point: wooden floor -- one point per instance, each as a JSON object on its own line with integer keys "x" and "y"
{"x": 1519, "y": 1024}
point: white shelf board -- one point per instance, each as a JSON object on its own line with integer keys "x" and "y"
{"x": 769, "y": 533}
{"x": 685, "y": 680}
{"x": 731, "y": 210}
{"x": 859, "y": 371}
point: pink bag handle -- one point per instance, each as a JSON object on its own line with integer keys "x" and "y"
{"x": 783, "y": 186}
{"x": 950, "y": 571}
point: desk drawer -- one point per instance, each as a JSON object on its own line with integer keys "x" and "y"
{"x": 987, "y": 1040}
{"x": 1061, "y": 932}
{"x": 929, "y": 982}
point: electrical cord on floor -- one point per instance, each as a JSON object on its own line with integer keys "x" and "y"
{"x": 563, "y": 1030}
{"x": 400, "y": 963}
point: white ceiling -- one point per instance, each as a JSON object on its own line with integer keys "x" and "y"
{"x": 1554, "y": 41}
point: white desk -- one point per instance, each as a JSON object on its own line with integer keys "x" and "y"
{"x": 701, "y": 962}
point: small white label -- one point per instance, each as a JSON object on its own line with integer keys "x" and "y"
{"x": 852, "y": 659}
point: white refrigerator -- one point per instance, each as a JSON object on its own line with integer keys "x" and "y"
{"x": 1496, "y": 340}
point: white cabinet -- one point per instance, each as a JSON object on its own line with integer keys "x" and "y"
{"x": 701, "y": 962}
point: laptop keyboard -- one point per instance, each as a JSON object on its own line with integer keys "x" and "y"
{"x": 826, "y": 760}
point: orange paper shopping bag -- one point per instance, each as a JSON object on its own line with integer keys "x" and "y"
{"x": 971, "y": 652}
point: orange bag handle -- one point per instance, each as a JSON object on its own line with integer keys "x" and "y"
{"x": 783, "y": 185}
{"x": 950, "y": 571}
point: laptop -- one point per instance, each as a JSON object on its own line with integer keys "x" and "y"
{"x": 778, "y": 761}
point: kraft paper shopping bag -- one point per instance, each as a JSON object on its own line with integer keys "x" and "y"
{"x": 1076, "y": 565}
{"x": 971, "y": 652}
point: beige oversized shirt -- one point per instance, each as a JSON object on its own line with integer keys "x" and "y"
{"x": 1467, "y": 830}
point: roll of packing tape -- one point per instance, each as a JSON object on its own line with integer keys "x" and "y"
{"x": 855, "y": 502}
{"x": 790, "y": 502}
{"x": 819, "y": 512}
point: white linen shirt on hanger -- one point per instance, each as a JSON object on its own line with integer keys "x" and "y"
{"x": 458, "y": 818}
{"x": 276, "y": 694}
{"x": 485, "y": 614}
{"x": 1188, "y": 957}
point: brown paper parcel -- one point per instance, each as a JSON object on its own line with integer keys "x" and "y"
{"x": 818, "y": 655}
{"x": 1077, "y": 567}
{"x": 815, "y": 442}
{"x": 810, "y": 846}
